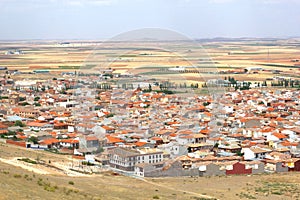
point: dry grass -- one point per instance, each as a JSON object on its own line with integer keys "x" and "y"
{"x": 18, "y": 183}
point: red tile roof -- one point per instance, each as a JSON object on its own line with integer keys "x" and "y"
{"x": 113, "y": 139}
{"x": 49, "y": 141}
{"x": 280, "y": 135}
{"x": 139, "y": 144}
{"x": 71, "y": 141}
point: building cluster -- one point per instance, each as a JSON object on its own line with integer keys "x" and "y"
{"x": 150, "y": 133}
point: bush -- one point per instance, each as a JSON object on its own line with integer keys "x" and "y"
{"x": 5, "y": 172}
{"x": 277, "y": 192}
{"x": 87, "y": 163}
{"x": 17, "y": 176}
{"x": 71, "y": 182}
{"x": 155, "y": 197}
{"x": 28, "y": 160}
{"x": 48, "y": 187}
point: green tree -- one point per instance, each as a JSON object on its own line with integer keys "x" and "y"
{"x": 19, "y": 123}
{"x": 22, "y": 99}
{"x": 37, "y": 104}
{"x": 36, "y": 98}
{"x": 216, "y": 145}
{"x": 150, "y": 87}
{"x": 25, "y": 104}
{"x": 33, "y": 139}
{"x": 264, "y": 83}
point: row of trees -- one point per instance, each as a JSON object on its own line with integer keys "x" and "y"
{"x": 286, "y": 83}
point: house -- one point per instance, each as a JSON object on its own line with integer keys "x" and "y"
{"x": 126, "y": 158}
{"x": 250, "y": 123}
{"x": 70, "y": 143}
{"x": 210, "y": 169}
{"x": 147, "y": 169}
{"x": 40, "y": 135}
{"x": 106, "y": 129}
{"x": 113, "y": 141}
{"x": 38, "y": 126}
{"x": 199, "y": 146}
{"x": 256, "y": 166}
{"x": 238, "y": 168}
{"x": 60, "y": 125}
{"x": 14, "y": 98}
{"x": 276, "y": 165}
{"x": 88, "y": 144}
{"x": 230, "y": 147}
{"x": 143, "y": 144}
{"x": 26, "y": 112}
{"x": 278, "y": 155}
{"x": 255, "y": 153}
{"x": 84, "y": 128}
{"x": 50, "y": 142}
{"x": 280, "y": 136}
{"x": 123, "y": 159}
{"x": 293, "y": 164}
{"x": 297, "y": 166}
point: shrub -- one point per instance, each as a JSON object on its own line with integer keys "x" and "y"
{"x": 71, "y": 182}
{"x": 50, "y": 188}
{"x": 17, "y": 176}
{"x": 277, "y": 192}
{"x": 28, "y": 160}
{"x": 155, "y": 197}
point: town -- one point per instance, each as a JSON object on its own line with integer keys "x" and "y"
{"x": 146, "y": 128}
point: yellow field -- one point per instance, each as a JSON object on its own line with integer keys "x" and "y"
{"x": 137, "y": 57}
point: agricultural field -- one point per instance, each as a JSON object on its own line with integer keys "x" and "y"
{"x": 225, "y": 57}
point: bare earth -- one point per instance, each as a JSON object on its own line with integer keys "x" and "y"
{"x": 19, "y": 180}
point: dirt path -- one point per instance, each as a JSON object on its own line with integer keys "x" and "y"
{"x": 27, "y": 166}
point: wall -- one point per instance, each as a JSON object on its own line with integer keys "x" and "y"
{"x": 173, "y": 171}
{"x": 17, "y": 143}
{"x": 213, "y": 170}
{"x": 238, "y": 168}
{"x": 280, "y": 168}
{"x": 259, "y": 170}
{"x": 297, "y": 166}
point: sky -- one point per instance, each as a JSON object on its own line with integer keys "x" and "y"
{"x": 103, "y": 19}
